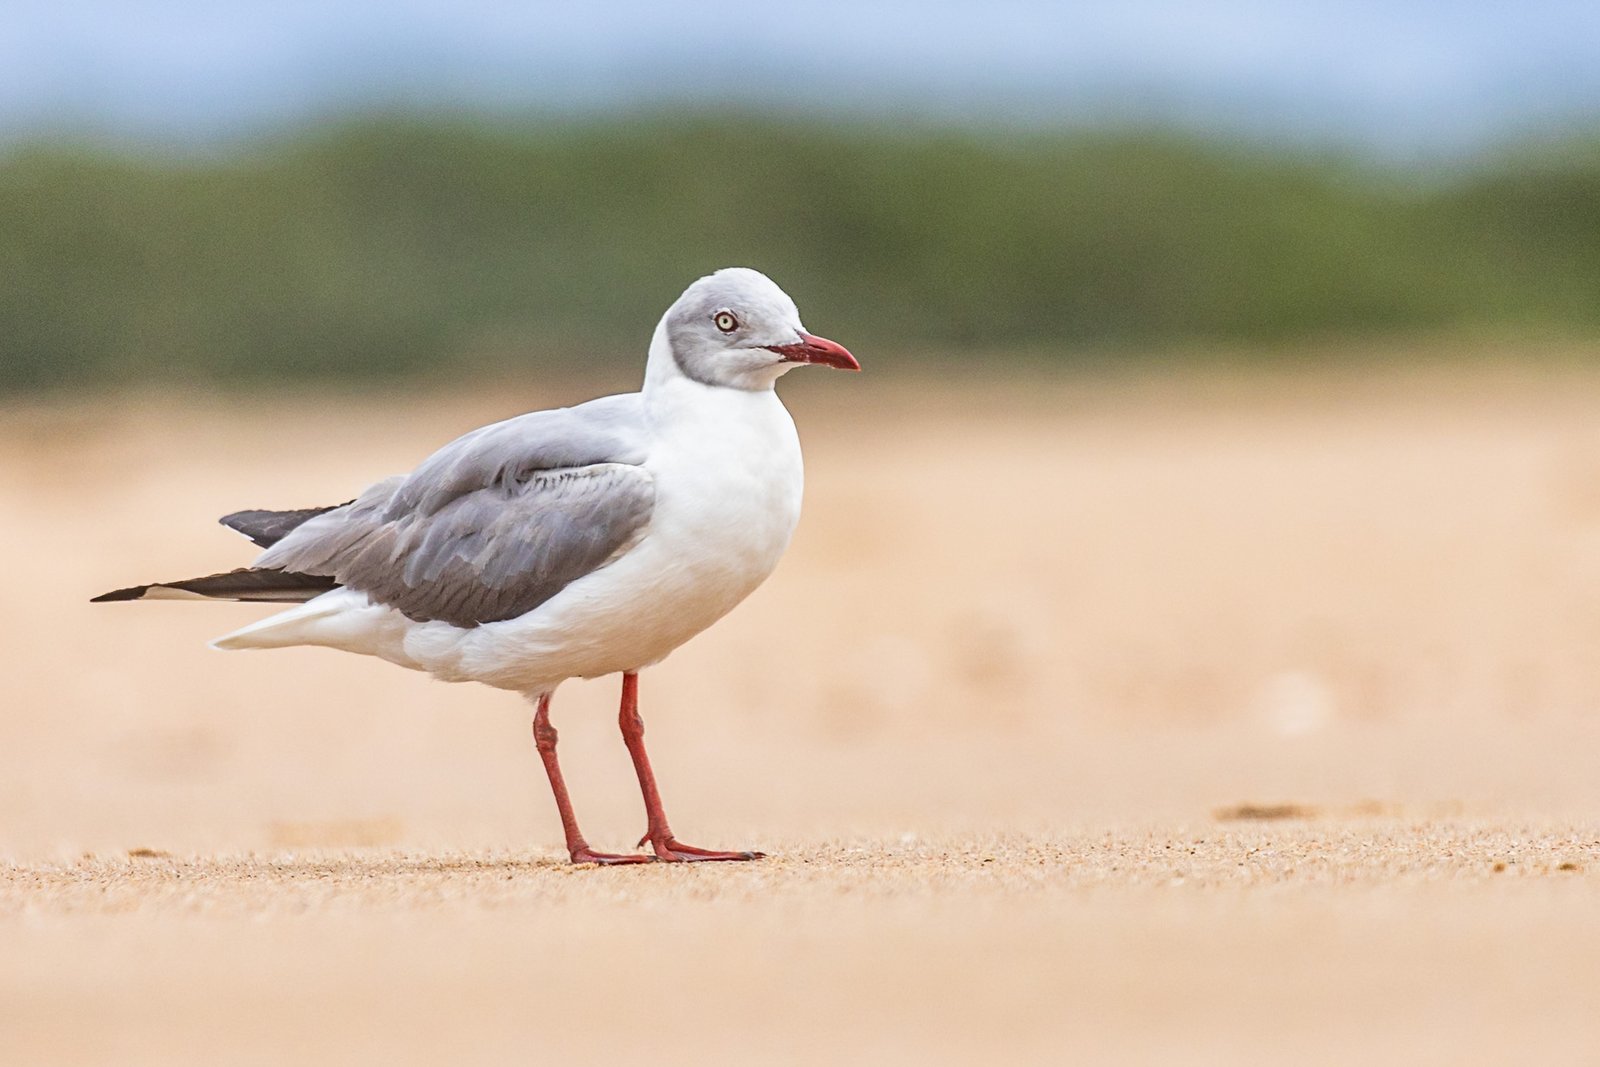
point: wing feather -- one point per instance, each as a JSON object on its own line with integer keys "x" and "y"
{"x": 493, "y": 524}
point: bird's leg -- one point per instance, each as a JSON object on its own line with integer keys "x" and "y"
{"x": 544, "y": 736}
{"x": 659, "y": 834}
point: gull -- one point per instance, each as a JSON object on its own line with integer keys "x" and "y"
{"x": 569, "y": 543}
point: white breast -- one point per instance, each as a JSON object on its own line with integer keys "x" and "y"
{"x": 728, "y": 487}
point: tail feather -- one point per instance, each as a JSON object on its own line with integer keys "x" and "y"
{"x": 246, "y": 583}
{"x": 304, "y": 624}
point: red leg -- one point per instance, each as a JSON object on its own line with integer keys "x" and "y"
{"x": 667, "y": 847}
{"x": 544, "y": 736}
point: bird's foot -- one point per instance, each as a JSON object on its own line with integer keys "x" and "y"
{"x": 669, "y": 849}
{"x": 607, "y": 859}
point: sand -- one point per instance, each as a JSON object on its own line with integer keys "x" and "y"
{"x": 1200, "y": 718}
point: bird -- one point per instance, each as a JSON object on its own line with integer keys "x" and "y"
{"x": 574, "y": 542}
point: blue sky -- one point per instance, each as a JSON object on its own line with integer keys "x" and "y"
{"x": 1401, "y": 76}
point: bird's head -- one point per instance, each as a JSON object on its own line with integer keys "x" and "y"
{"x": 736, "y": 328}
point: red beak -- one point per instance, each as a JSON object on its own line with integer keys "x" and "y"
{"x": 813, "y": 349}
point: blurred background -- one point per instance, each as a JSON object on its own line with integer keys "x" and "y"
{"x": 243, "y": 191}
{"x": 1230, "y": 388}
{"x": 1230, "y": 378}
{"x": 1228, "y": 450}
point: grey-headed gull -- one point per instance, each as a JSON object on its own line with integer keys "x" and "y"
{"x": 569, "y": 543}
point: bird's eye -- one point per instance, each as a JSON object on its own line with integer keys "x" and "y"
{"x": 726, "y": 321}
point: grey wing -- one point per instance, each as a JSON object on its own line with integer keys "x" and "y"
{"x": 608, "y": 430}
{"x": 493, "y": 524}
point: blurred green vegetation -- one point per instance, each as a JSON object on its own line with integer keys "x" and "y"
{"x": 394, "y": 246}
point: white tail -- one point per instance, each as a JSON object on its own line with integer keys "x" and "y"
{"x": 297, "y": 626}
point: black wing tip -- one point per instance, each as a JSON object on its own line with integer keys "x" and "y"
{"x": 234, "y": 519}
{"x": 133, "y": 592}
{"x": 244, "y": 583}
{"x": 266, "y": 527}
{"x": 247, "y": 523}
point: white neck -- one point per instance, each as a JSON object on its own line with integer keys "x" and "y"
{"x": 660, "y": 367}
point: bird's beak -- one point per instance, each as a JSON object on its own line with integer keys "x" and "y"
{"x": 813, "y": 349}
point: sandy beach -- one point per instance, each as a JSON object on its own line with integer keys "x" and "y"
{"x": 1206, "y": 718}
